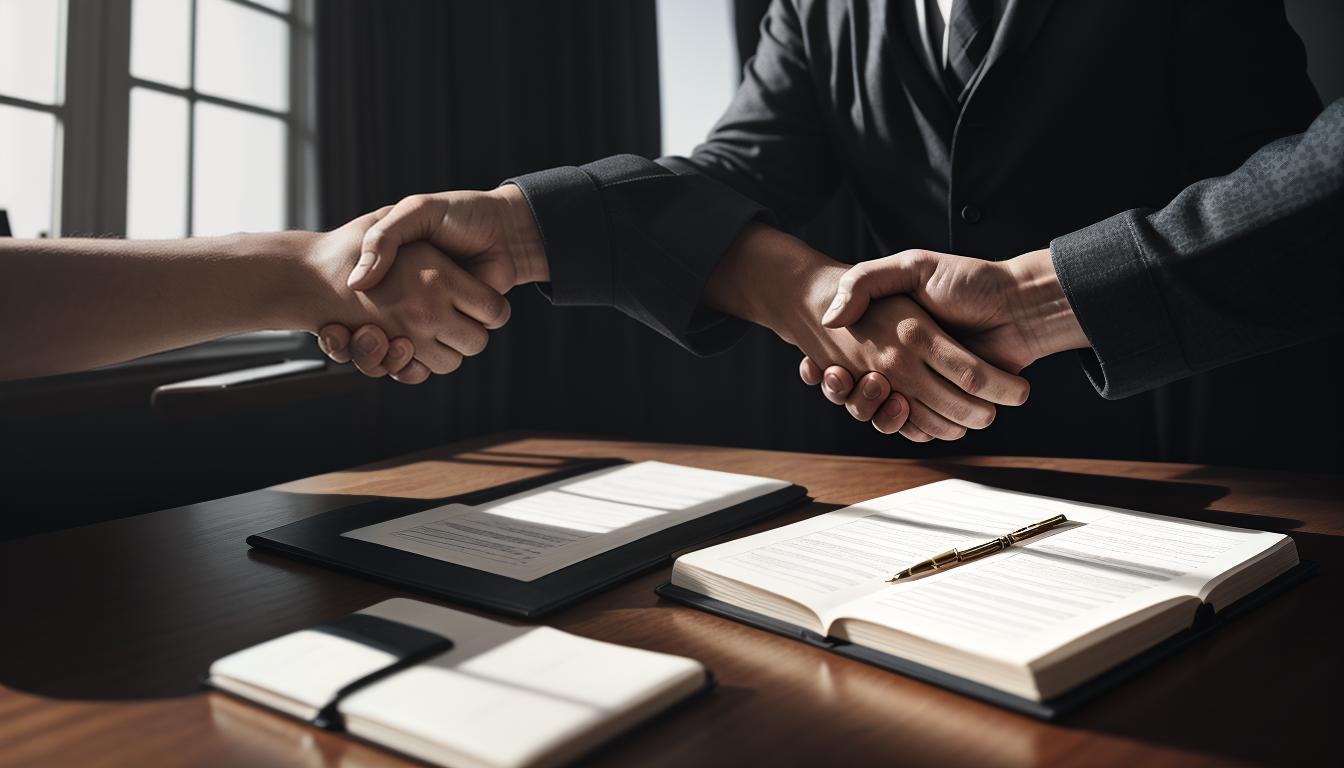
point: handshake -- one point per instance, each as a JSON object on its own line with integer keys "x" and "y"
{"x": 922, "y": 344}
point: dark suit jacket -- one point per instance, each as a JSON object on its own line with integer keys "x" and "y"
{"x": 1081, "y": 110}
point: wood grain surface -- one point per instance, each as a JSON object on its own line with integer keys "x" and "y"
{"x": 107, "y": 629}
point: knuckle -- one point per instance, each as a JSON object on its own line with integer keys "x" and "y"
{"x": 893, "y": 360}
{"x": 910, "y": 333}
{"x": 421, "y": 314}
{"x": 912, "y": 257}
{"x": 971, "y": 379}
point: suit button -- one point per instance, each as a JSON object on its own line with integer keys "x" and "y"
{"x": 970, "y": 214}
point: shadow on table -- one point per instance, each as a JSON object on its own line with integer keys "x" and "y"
{"x": 138, "y": 608}
{"x": 1238, "y": 692}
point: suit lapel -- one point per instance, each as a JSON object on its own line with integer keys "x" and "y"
{"x": 905, "y": 40}
{"x": 1022, "y": 19}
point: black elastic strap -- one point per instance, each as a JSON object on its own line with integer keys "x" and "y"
{"x": 410, "y": 645}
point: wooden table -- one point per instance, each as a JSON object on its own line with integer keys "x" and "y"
{"x": 107, "y": 628}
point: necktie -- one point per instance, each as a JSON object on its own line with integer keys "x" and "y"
{"x": 969, "y": 32}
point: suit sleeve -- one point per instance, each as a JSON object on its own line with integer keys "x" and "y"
{"x": 644, "y": 236}
{"x": 1233, "y": 267}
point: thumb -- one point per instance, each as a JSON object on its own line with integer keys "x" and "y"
{"x": 871, "y": 280}
{"x": 408, "y": 221}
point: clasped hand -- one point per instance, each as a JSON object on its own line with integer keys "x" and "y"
{"x": 456, "y": 254}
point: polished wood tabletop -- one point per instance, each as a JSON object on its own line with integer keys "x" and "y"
{"x": 107, "y": 629}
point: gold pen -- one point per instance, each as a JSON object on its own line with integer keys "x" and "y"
{"x": 953, "y": 556}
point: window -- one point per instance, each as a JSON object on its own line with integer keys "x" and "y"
{"x": 698, "y": 69}
{"x": 31, "y": 93}
{"x": 210, "y": 117}
{"x": 158, "y": 119}
{"x": 155, "y": 118}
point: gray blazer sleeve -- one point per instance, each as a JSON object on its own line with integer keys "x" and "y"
{"x": 1233, "y": 267}
{"x": 644, "y": 236}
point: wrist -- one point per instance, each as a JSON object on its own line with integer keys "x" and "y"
{"x": 520, "y": 236}
{"x": 1040, "y": 308}
{"x": 311, "y": 268}
{"x": 774, "y": 280}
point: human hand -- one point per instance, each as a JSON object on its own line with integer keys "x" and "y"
{"x": 775, "y": 280}
{"x": 1010, "y": 313}
{"x": 492, "y": 235}
{"x": 436, "y": 311}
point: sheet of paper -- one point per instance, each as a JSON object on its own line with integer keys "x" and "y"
{"x": 833, "y": 558}
{"x": 1061, "y": 585}
{"x": 532, "y": 534}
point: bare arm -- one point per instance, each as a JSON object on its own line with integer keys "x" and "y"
{"x": 74, "y": 304}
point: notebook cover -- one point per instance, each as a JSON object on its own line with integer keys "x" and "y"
{"x": 319, "y": 539}
{"x": 1052, "y": 709}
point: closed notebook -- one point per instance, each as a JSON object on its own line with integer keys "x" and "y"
{"x": 1028, "y": 627}
{"x": 474, "y": 693}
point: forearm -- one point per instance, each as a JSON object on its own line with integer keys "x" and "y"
{"x": 772, "y": 279}
{"x": 75, "y": 304}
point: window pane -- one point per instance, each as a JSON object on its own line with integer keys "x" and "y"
{"x": 161, "y": 41}
{"x": 27, "y": 166}
{"x": 239, "y": 183}
{"x": 156, "y": 184}
{"x": 30, "y": 34}
{"x": 242, "y": 54}
{"x": 697, "y": 69}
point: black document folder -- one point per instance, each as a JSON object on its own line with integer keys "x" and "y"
{"x": 319, "y": 539}
{"x": 1206, "y": 622}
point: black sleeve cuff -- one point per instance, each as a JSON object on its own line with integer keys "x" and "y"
{"x": 568, "y": 209}
{"x": 1106, "y": 280}
{"x": 643, "y": 237}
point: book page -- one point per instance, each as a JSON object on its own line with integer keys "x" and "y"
{"x": 1060, "y": 586}
{"x": 537, "y": 532}
{"x": 829, "y": 560}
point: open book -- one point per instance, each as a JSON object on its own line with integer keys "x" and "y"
{"x": 502, "y": 695}
{"x": 1033, "y": 621}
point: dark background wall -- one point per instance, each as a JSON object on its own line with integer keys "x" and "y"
{"x": 423, "y": 95}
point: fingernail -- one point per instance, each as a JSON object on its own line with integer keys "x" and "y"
{"x": 833, "y": 382}
{"x": 329, "y": 342}
{"x": 871, "y": 389}
{"x": 836, "y": 305}
{"x": 892, "y": 409}
{"x": 366, "y": 259}
{"x": 366, "y": 343}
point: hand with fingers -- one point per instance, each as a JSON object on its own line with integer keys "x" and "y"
{"x": 491, "y": 237}
{"x": 921, "y": 381}
{"x": 1010, "y": 313}
{"x": 434, "y": 309}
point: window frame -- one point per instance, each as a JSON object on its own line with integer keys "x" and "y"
{"x": 92, "y": 145}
